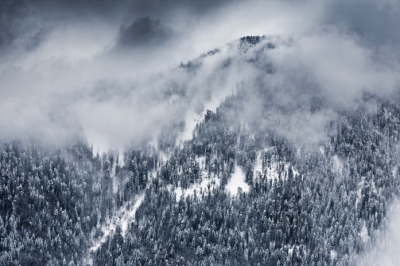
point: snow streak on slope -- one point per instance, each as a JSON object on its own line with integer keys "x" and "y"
{"x": 337, "y": 164}
{"x": 122, "y": 218}
{"x": 237, "y": 180}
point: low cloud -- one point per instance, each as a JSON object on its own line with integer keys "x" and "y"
{"x": 382, "y": 247}
{"x": 68, "y": 70}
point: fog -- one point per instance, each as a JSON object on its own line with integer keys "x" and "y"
{"x": 382, "y": 247}
{"x": 109, "y": 72}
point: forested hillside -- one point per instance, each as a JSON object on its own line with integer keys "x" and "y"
{"x": 318, "y": 205}
{"x": 256, "y": 184}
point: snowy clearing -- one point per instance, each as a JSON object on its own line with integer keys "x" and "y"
{"x": 212, "y": 181}
{"x": 237, "y": 180}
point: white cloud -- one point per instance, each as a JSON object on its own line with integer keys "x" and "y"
{"x": 78, "y": 82}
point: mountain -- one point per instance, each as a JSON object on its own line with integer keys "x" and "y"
{"x": 275, "y": 175}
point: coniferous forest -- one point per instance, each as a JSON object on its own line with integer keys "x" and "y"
{"x": 303, "y": 205}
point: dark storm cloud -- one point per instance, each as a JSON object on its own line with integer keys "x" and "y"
{"x": 111, "y": 7}
{"x": 376, "y": 22}
{"x": 10, "y": 12}
{"x": 29, "y": 22}
{"x": 144, "y": 31}
{"x": 22, "y": 24}
{"x": 5, "y": 35}
{"x": 160, "y": 6}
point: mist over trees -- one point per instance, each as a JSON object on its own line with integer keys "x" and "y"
{"x": 307, "y": 204}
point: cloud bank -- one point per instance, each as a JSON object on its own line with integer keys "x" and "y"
{"x": 110, "y": 71}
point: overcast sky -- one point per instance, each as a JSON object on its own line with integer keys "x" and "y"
{"x": 107, "y": 70}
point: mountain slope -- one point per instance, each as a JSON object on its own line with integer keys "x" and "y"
{"x": 273, "y": 176}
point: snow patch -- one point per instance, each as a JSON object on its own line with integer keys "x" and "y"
{"x": 337, "y": 164}
{"x": 333, "y": 254}
{"x": 360, "y": 186}
{"x": 258, "y": 165}
{"x": 364, "y": 233}
{"x": 202, "y": 162}
{"x": 272, "y": 170}
{"x": 237, "y": 180}
{"x": 212, "y": 182}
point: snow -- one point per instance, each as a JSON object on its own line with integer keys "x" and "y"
{"x": 333, "y": 254}
{"x": 337, "y": 164}
{"x": 113, "y": 177}
{"x": 237, "y": 180}
{"x": 364, "y": 233}
{"x": 258, "y": 165}
{"x": 129, "y": 215}
{"x": 211, "y": 181}
{"x": 122, "y": 218}
{"x": 202, "y": 162}
{"x": 360, "y": 185}
{"x": 272, "y": 171}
